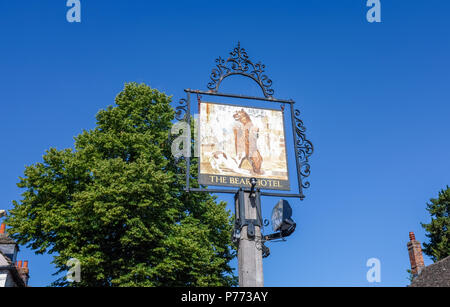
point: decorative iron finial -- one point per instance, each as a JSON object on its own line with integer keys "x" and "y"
{"x": 238, "y": 63}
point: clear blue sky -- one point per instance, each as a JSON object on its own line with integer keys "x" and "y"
{"x": 374, "y": 97}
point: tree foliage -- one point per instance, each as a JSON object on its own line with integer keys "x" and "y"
{"x": 438, "y": 230}
{"x": 116, "y": 203}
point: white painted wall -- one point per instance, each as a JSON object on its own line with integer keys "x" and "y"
{"x": 6, "y": 279}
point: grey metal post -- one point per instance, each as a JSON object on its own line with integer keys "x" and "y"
{"x": 249, "y": 249}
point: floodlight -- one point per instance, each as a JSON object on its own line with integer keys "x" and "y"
{"x": 281, "y": 218}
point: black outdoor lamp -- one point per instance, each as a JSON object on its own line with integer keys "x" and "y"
{"x": 282, "y": 223}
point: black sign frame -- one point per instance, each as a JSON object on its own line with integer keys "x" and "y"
{"x": 238, "y": 63}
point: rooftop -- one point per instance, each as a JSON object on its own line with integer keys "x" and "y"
{"x": 434, "y": 275}
{"x": 5, "y": 239}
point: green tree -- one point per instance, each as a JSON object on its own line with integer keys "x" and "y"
{"x": 438, "y": 230}
{"x": 116, "y": 203}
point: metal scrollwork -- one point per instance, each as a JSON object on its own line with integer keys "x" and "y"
{"x": 238, "y": 63}
{"x": 304, "y": 149}
{"x": 180, "y": 114}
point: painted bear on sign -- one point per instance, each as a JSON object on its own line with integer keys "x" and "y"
{"x": 245, "y": 140}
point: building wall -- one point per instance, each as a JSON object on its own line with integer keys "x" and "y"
{"x": 6, "y": 279}
{"x": 9, "y": 250}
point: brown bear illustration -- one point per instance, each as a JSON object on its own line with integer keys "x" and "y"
{"x": 245, "y": 138}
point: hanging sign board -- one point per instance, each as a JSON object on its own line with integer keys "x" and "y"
{"x": 237, "y": 143}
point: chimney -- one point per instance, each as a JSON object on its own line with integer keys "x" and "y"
{"x": 415, "y": 255}
{"x": 2, "y": 228}
{"x": 24, "y": 272}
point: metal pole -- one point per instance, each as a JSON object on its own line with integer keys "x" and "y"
{"x": 250, "y": 245}
{"x": 188, "y": 158}
{"x": 210, "y": 93}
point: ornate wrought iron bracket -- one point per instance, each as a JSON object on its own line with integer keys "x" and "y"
{"x": 304, "y": 149}
{"x": 238, "y": 63}
{"x": 181, "y": 112}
